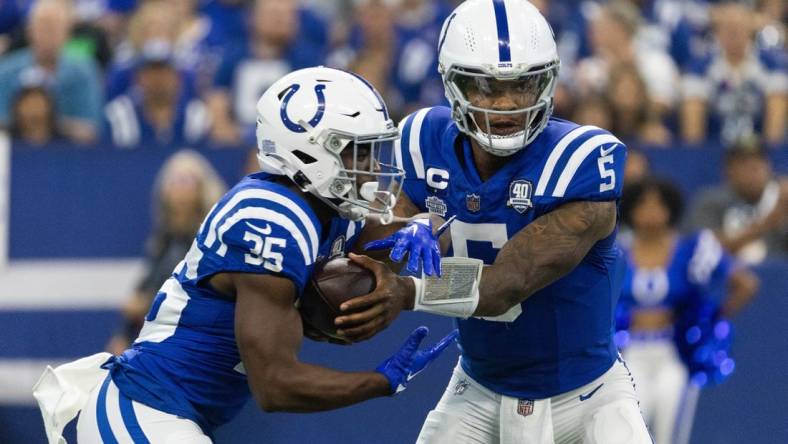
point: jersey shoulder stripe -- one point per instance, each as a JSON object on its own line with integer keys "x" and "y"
{"x": 577, "y": 158}
{"x": 413, "y": 138}
{"x": 419, "y": 132}
{"x": 567, "y": 155}
{"x": 256, "y": 203}
{"x": 555, "y": 155}
{"x": 269, "y": 217}
{"x": 259, "y": 227}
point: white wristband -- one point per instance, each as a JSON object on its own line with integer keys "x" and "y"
{"x": 455, "y": 294}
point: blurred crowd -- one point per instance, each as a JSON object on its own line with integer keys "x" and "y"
{"x": 140, "y": 74}
{"x": 135, "y": 73}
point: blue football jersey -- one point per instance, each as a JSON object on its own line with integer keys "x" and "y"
{"x": 698, "y": 271}
{"x": 185, "y": 360}
{"x": 126, "y": 124}
{"x": 560, "y": 338}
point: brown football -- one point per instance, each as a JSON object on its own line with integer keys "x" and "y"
{"x": 335, "y": 282}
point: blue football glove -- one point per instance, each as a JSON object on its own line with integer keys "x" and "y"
{"x": 409, "y": 360}
{"x": 419, "y": 242}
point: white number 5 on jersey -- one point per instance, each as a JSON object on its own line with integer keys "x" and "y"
{"x": 608, "y": 175}
{"x": 496, "y": 235}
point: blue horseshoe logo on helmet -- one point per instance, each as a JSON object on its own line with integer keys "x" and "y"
{"x": 321, "y": 107}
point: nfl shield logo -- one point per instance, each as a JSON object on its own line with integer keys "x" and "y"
{"x": 473, "y": 202}
{"x": 520, "y": 195}
{"x": 525, "y": 407}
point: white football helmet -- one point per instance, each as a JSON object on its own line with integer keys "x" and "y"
{"x": 330, "y": 132}
{"x": 499, "y": 64}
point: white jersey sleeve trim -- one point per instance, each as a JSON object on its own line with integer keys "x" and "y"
{"x": 192, "y": 261}
{"x": 577, "y": 158}
{"x": 211, "y": 236}
{"x": 414, "y": 146}
{"x": 555, "y": 156}
{"x": 264, "y": 214}
{"x": 194, "y": 255}
{"x": 351, "y": 230}
{"x": 398, "y": 144}
{"x": 169, "y": 315}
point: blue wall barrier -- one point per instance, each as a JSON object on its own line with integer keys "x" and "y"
{"x": 72, "y": 203}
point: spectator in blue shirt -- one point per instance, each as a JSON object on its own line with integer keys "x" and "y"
{"x": 393, "y": 46}
{"x": 228, "y": 19}
{"x": 74, "y": 81}
{"x": 282, "y": 38}
{"x": 157, "y": 110}
{"x": 612, "y": 33}
{"x": 738, "y": 92}
{"x": 153, "y": 20}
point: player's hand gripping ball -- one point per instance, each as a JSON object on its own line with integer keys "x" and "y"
{"x": 335, "y": 282}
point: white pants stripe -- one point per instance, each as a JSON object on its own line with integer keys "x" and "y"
{"x": 110, "y": 417}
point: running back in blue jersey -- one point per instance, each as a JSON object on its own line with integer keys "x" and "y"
{"x": 186, "y": 361}
{"x": 560, "y": 338}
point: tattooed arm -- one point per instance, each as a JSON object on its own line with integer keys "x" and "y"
{"x": 543, "y": 252}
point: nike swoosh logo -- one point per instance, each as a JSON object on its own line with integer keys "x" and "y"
{"x": 604, "y": 152}
{"x": 265, "y": 231}
{"x": 583, "y": 398}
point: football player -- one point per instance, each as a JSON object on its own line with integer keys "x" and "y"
{"x": 225, "y": 324}
{"x": 535, "y": 274}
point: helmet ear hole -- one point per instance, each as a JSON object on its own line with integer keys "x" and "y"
{"x": 305, "y": 158}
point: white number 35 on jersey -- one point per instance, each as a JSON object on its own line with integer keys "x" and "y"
{"x": 262, "y": 251}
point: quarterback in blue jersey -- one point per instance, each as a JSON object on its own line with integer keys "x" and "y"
{"x": 535, "y": 272}
{"x": 225, "y": 324}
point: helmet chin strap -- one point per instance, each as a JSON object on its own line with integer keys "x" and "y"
{"x": 345, "y": 210}
{"x": 352, "y": 212}
{"x": 349, "y": 210}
